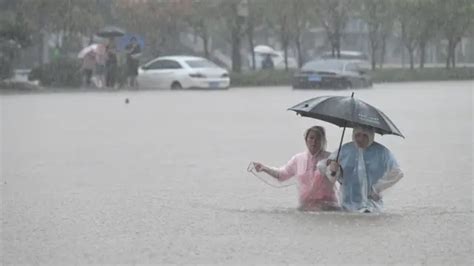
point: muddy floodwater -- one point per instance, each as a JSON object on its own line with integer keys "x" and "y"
{"x": 87, "y": 178}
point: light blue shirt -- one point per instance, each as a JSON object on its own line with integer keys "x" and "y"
{"x": 364, "y": 171}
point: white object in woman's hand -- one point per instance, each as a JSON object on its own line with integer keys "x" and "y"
{"x": 258, "y": 166}
{"x": 333, "y": 166}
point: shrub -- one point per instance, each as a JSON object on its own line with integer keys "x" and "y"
{"x": 61, "y": 72}
{"x": 262, "y": 78}
{"x": 284, "y": 78}
{"x": 424, "y": 74}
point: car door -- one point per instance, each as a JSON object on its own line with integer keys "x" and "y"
{"x": 351, "y": 73}
{"x": 151, "y": 74}
{"x": 363, "y": 68}
{"x": 172, "y": 71}
{"x": 159, "y": 74}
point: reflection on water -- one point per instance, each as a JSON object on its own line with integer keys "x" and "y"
{"x": 87, "y": 178}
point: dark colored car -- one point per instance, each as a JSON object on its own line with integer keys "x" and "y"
{"x": 332, "y": 74}
{"x": 344, "y": 54}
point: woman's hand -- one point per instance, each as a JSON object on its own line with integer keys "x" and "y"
{"x": 333, "y": 165}
{"x": 258, "y": 166}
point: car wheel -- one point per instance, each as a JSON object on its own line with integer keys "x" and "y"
{"x": 176, "y": 86}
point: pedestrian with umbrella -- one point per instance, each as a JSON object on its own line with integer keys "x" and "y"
{"x": 106, "y": 56}
{"x": 88, "y": 57}
{"x": 364, "y": 167}
{"x": 110, "y": 32}
{"x": 133, "y": 61}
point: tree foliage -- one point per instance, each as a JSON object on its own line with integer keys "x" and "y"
{"x": 14, "y": 35}
{"x": 334, "y": 15}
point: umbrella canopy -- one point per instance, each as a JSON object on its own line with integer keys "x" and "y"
{"x": 264, "y": 49}
{"x": 110, "y": 32}
{"x": 126, "y": 39}
{"x": 347, "y": 112}
{"x": 86, "y": 50}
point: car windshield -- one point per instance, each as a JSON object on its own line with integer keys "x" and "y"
{"x": 323, "y": 65}
{"x": 201, "y": 64}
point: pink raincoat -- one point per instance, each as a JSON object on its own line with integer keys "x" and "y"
{"x": 316, "y": 192}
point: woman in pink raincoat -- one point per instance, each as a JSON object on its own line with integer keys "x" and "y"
{"x": 316, "y": 192}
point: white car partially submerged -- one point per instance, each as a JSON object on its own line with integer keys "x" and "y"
{"x": 182, "y": 72}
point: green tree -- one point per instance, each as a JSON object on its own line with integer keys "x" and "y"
{"x": 159, "y": 22}
{"x": 70, "y": 18}
{"x": 302, "y": 13}
{"x": 279, "y": 17}
{"x": 387, "y": 29}
{"x": 202, "y": 20}
{"x": 457, "y": 18}
{"x": 232, "y": 12}
{"x": 428, "y": 23}
{"x": 408, "y": 23}
{"x": 255, "y": 19}
{"x": 143, "y": 18}
{"x": 375, "y": 14}
{"x": 14, "y": 36}
{"x": 334, "y": 15}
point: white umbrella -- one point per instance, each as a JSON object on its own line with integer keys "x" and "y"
{"x": 264, "y": 49}
{"x": 88, "y": 49}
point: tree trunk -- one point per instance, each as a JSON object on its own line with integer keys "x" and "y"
{"x": 422, "y": 48}
{"x": 332, "y": 42}
{"x": 41, "y": 58}
{"x": 382, "y": 51}
{"x": 449, "y": 53}
{"x": 252, "y": 52}
{"x": 412, "y": 58}
{"x": 298, "y": 50}
{"x": 453, "y": 55}
{"x": 373, "y": 50}
{"x": 205, "y": 42}
{"x": 236, "y": 44}
{"x": 403, "y": 43}
{"x": 285, "y": 53}
{"x": 250, "y": 33}
{"x": 333, "y": 49}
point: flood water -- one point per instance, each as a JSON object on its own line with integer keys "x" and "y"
{"x": 87, "y": 178}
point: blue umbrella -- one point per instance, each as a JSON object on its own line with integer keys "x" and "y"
{"x": 126, "y": 39}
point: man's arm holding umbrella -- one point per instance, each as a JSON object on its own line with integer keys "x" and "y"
{"x": 330, "y": 168}
{"x": 392, "y": 175}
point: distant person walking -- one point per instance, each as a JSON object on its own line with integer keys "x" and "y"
{"x": 133, "y": 55}
{"x": 100, "y": 57}
{"x": 267, "y": 62}
{"x": 111, "y": 65}
{"x": 88, "y": 67}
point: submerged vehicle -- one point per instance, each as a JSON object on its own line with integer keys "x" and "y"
{"x": 332, "y": 74}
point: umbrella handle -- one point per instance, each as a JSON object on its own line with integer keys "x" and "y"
{"x": 339, "y": 150}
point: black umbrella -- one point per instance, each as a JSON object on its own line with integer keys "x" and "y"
{"x": 346, "y": 112}
{"x": 110, "y": 32}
